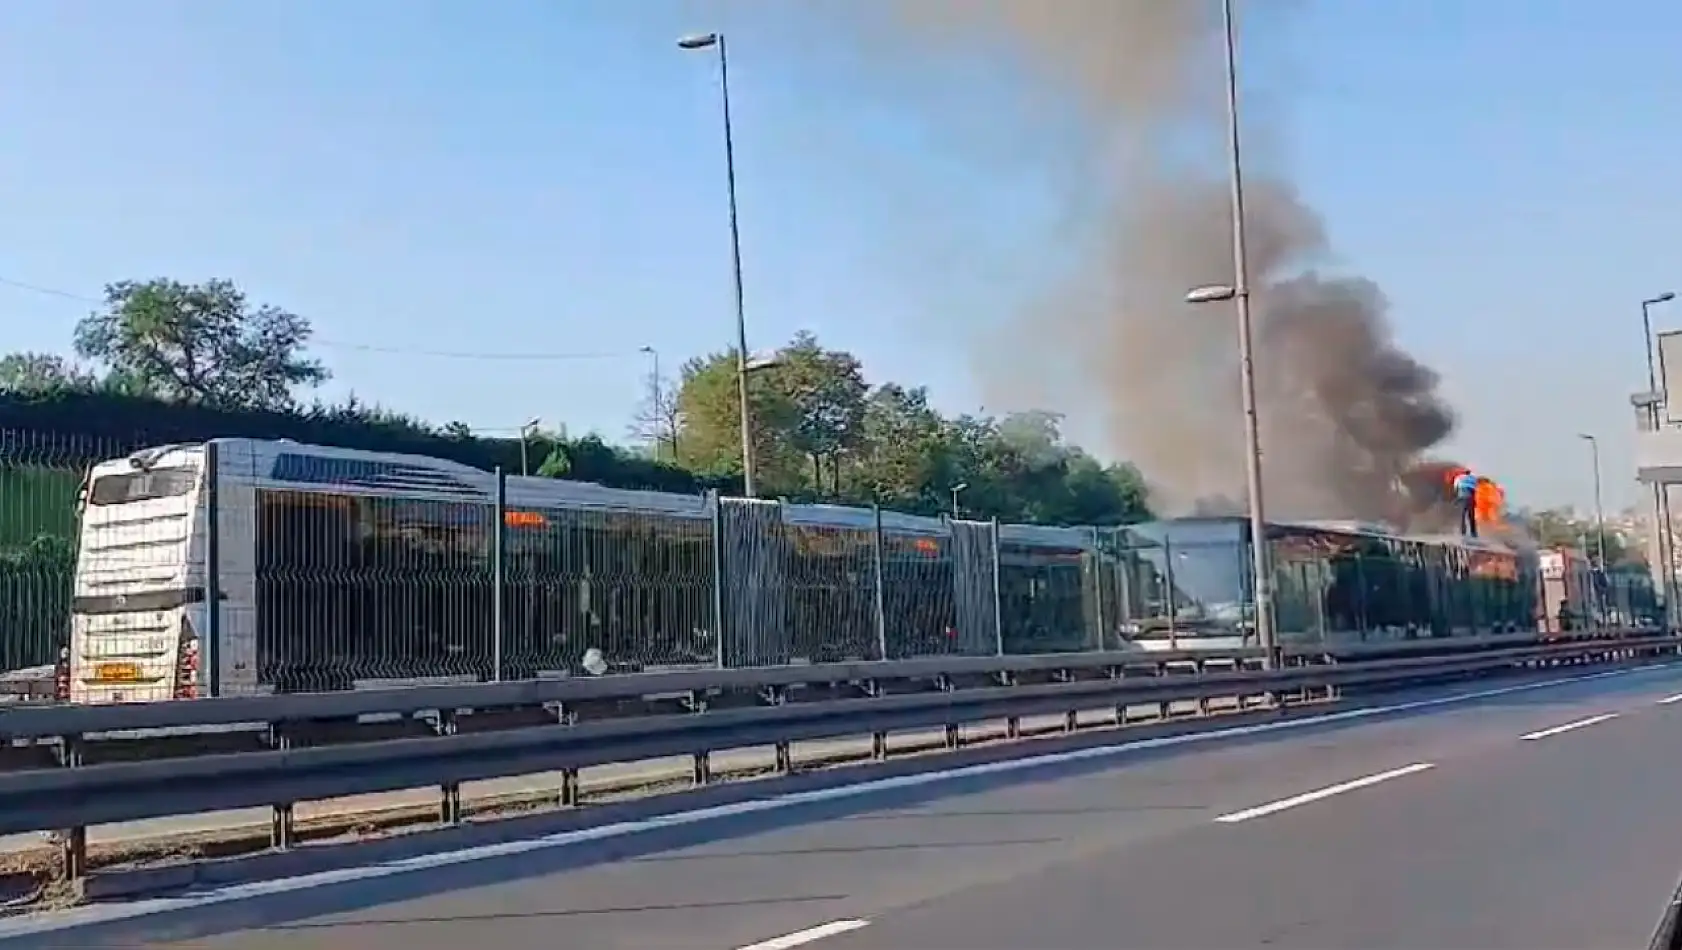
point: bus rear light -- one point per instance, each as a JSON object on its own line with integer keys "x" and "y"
{"x": 187, "y": 665}
{"x": 61, "y": 676}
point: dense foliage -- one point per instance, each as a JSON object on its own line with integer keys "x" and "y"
{"x": 163, "y": 361}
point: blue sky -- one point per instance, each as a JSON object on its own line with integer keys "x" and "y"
{"x": 545, "y": 178}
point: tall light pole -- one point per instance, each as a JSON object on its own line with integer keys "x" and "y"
{"x": 957, "y": 490}
{"x": 1599, "y": 509}
{"x": 654, "y": 360}
{"x": 1661, "y": 510}
{"x": 664, "y": 431}
{"x": 1239, "y": 293}
{"x": 1647, "y": 331}
{"x": 525, "y": 435}
{"x": 1599, "y": 527}
{"x": 701, "y": 41}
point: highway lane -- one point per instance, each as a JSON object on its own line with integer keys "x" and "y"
{"x": 1493, "y": 845}
{"x": 1567, "y": 840}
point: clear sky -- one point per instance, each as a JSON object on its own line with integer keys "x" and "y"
{"x": 544, "y": 178}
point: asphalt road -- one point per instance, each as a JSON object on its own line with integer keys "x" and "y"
{"x": 1473, "y": 825}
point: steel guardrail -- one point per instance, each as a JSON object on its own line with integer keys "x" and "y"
{"x": 22, "y": 723}
{"x": 74, "y": 798}
{"x": 31, "y": 722}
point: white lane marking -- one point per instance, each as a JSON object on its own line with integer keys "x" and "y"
{"x": 95, "y": 914}
{"x": 1671, "y": 699}
{"x": 1556, "y": 730}
{"x": 1318, "y": 794}
{"x": 800, "y": 937}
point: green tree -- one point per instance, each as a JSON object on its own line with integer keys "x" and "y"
{"x": 1563, "y": 527}
{"x": 904, "y": 460}
{"x": 821, "y": 431}
{"x": 557, "y": 464}
{"x": 1618, "y": 549}
{"x": 191, "y": 361}
{"x": 42, "y": 373}
{"x": 203, "y": 343}
{"x": 710, "y": 439}
{"x": 1551, "y": 527}
{"x": 1019, "y": 468}
{"x": 824, "y": 392}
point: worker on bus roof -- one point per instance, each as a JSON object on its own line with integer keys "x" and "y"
{"x": 1465, "y": 486}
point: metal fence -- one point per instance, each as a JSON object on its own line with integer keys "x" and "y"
{"x": 347, "y": 590}
{"x": 320, "y": 590}
{"x": 39, "y": 478}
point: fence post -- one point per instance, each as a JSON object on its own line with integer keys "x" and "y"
{"x": 1362, "y": 590}
{"x": 879, "y": 579}
{"x": 998, "y": 596}
{"x": 499, "y": 544}
{"x": 1171, "y": 597}
{"x": 718, "y": 579}
{"x": 1097, "y": 568}
{"x": 212, "y": 569}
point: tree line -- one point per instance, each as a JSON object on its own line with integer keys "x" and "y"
{"x": 1564, "y": 527}
{"x": 163, "y": 360}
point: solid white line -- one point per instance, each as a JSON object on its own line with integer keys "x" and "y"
{"x": 94, "y": 914}
{"x": 800, "y": 937}
{"x": 1327, "y": 792}
{"x": 1671, "y": 699}
{"x": 1556, "y": 730}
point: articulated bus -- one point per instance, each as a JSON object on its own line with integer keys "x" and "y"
{"x": 341, "y": 569}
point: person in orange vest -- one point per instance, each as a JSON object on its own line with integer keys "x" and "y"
{"x": 1465, "y": 487}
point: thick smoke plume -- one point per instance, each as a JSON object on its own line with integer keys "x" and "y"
{"x": 1347, "y": 416}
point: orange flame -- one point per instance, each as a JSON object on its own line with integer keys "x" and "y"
{"x": 1489, "y": 501}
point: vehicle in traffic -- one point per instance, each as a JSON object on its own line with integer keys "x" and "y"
{"x": 1188, "y": 584}
{"x": 339, "y": 568}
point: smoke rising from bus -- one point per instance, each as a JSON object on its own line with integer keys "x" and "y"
{"x": 1347, "y": 416}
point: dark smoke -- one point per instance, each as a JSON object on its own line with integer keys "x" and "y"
{"x": 1347, "y": 416}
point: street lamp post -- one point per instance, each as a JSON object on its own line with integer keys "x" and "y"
{"x": 1599, "y": 508}
{"x": 1647, "y": 331}
{"x": 701, "y": 41}
{"x": 1239, "y": 293}
{"x": 1599, "y": 526}
{"x": 664, "y": 432}
{"x": 957, "y": 490}
{"x": 654, "y": 361}
{"x": 525, "y": 436}
{"x": 1661, "y": 510}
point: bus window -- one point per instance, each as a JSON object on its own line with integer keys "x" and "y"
{"x": 142, "y": 486}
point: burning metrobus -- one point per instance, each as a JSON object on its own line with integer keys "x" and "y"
{"x": 1189, "y": 582}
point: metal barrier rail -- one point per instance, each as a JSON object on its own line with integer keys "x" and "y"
{"x": 44, "y": 736}
{"x": 22, "y": 723}
{"x": 74, "y": 798}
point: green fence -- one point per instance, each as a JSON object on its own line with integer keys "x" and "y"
{"x": 40, "y": 475}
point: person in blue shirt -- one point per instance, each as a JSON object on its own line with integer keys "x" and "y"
{"x": 1466, "y": 496}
